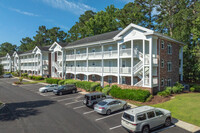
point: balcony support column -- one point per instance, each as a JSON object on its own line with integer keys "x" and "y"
{"x": 150, "y": 62}
{"x": 75, "y": 64}
{"x": 87, "y": 60}
{"x": 118, "y": 63}
{"x": 102, "y": 66}
{"x": 52, "y": 64}
{"x": 143, "y": 73}
{"x": 181, "y": 67}
{"x": 41, "y": 65}
{"x": 63, "y": 64}
{"x": 132, "y": 76}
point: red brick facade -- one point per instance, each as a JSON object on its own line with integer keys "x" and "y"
{"x": 173, "y": 58}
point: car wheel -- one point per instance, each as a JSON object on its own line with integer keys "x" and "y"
{"x": 125, "y": 107}
{"x": 145, "y": 129}
{"x": 108, "y": 112}
{"x": 45, "y": 91}
{"x": 73, "y": 91}
{"x": 168, "y": 122}
{"x": 60, "y": 93}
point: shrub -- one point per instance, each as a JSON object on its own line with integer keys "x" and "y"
{"x": 176, "y": 89}
{"x": 71, "y": 81}
{"x": 88, "y": 86}
{"x": 52, "y": 81}
{"x": 106, "y": 90}
{"x": 149, "y": 98}
{"x": 16, "y": 74}
{"x": 25, "y": 75}
{"x": 192, "y": 89}
{"x": 196, "y": 87}
{"x": 37, "y": 78}
{"x": 130, "y": 94}
{"x": 20, "y": 79}
{"x": 163, "y": 94}
{"x": 30, "y": 77}
{"x": 61, "y": 82}
{"x": 99, "y": 88}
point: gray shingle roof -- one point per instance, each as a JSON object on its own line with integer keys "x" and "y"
{"x": 44, "y": 48}
{"x": 100, "y": 37}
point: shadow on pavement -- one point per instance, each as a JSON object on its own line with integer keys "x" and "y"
{"x": 13, "y": 111}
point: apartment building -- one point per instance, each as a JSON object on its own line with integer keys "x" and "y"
{"x": 134, "y": 56}
{"x": 7, "y": 62}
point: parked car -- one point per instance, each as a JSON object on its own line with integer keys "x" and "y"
{"x": 144, "y": 118}
{"x": 108, "y": 106}
{"x": 48, "y": 88}
{"x": 8, "y": 75}
{"x": 65, "y": 89}
{"x": 93, "y": 98}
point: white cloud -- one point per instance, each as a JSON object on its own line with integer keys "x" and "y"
{"x": 24, "y": 12}
{"x": 77, "y": 8}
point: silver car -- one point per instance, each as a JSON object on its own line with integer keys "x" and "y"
{"x": 144, "y": 118}
{"x": 48, "y": 88}
{"x": 108, "y": 106}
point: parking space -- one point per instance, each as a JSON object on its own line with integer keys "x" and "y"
{"x": 110, "y": 123}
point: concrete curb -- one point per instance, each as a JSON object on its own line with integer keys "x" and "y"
{"x": 33, "y": 81}
{"x": 187, "y": 126}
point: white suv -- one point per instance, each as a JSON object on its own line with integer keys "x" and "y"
{"x": 144, "y": 118}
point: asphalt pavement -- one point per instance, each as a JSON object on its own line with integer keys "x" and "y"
{"x": 28, "y": 111}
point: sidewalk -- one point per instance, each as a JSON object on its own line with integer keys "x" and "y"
{"x": 187, "y": 126}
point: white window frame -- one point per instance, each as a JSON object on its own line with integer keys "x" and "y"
{"x": 169, "y": 48}
{"x": 162, "y": 63}
{"x": 162, "y": 44}
{"x": 169, "y": 63}
{"x": 169, "y": 82}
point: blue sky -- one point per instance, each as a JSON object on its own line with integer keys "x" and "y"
{"x": 21, "y": 18}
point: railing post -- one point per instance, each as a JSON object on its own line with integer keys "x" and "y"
{"x": 143, "y": 72}
{"x": 132, "y": 77}
{"x": 102, "y": 65}
{"x": 41, "y": 65}
{"x": 150, "y": 62}
{"x": 75, "y": 63}
{"x": 118, "y": 63}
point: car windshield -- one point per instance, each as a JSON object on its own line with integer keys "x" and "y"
{"x": 48, "y": 86}
{"x": 128, "y": 117}
{"x": 60, "y": 87}
{"x": 102, "y": 103}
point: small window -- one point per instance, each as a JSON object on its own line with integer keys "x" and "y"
{"x": 150, "y": 114}
{"x": 169, "y": 49}
{"x": 162, "y": 82}
{"x": 162, "y": 63}
{"x": 110, "y": 48}
{"x": 123, "y": 46}
{"x": 141, "y": 117}
{"x": 162, "y": 44}
{"x": 169, "y": 66}
{"x": 169, "y": 82}
{"x": 111, "y": 103}
{"x": 158, "y": 112}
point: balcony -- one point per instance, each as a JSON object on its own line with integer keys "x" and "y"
{"x": 27, "y": 60}
{"x": 125, "y": 52}
{"x": 27, "y": 67}
{"x": 95, "y": 69}
{"x": 70, "y": 69}
{"x": 110, "y": 54}
{"x": 5, "y": 62}
{"x": 59, "y": 58}
{"x": 70, "y": 57}
{"x": 125, "y": 70}
{"x": 81, "y": 56}
{"x": 81, "y": 69}
{"x": 110, "y": 70}
{"x": 95, "y": 55}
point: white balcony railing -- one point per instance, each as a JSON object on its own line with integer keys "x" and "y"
{"x": 27, "y": 60}
{"x": 95, "y": 69}
{"x": 95, "y": 55}
{"x": 70, "y": 69}
{"x": 110, "y": 69}
{"x": 125, "y": 52}
{"x": 69, "y": 57}
{"x": 110, "y": 54}
{"x": 81, "y": 56}
{"x": 81, "y": 69}
{"x": 125, "y": 70}
{"x": 59, "y": 58}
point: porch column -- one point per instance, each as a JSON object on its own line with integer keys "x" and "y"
{"x": 132, "y": 77}
{"x": 143, "y": 72}
{"x": 63, "y": 64}
{"x": 150, "y": 62}
{"x": 19, "y": 66}
{"x": 118, "y": 63}
{"x": 102, "y": 66}
{"x": 41, "y": 65}
{"x": 75, "y": 64}
{"x": 87, "y": 60}
{"x": 52, "y": 64}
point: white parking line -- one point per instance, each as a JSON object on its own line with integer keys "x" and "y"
{"x": 163, "y": 129}
{"x": 88, "y": 112}
{"x": 80, "y": 107}
{"x": 115, "y": 127}
{"x": 60, "y": 96}
{"x": 108, "y": 116}
{"x": 73, "y": 102}
{"x": 68, "y": 98}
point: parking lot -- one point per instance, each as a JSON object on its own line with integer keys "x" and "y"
{"x": 74, "y": 102}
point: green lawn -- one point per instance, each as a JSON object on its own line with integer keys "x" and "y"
{"x": 185, "y": 107}
{"x": 34, "y": 82}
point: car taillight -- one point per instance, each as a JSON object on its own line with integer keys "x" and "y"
{"x": 101, "y": 108}
{"x": 134, "y": 124}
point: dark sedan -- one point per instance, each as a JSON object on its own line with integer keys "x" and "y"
{"x": 65, "y": 89}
